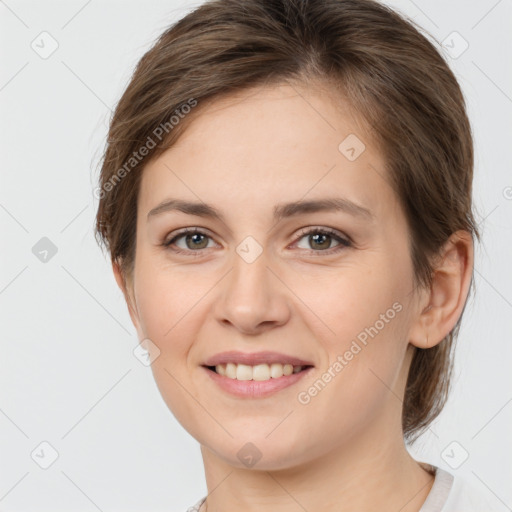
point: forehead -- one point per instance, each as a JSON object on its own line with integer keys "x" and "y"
{"x": 269, "y": 144}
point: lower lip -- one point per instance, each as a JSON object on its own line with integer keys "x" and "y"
{"x": 255, "y": 388}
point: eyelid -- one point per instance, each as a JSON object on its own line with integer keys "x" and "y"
{"x": 185, "y": 231}
{"x": 344, "y": 241}
{"x": 329, "y": 231}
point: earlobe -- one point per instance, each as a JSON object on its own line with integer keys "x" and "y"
{"x": 448, "y": 293}
{"x": 118, "y": 276}
{"x": 121, "y": 282}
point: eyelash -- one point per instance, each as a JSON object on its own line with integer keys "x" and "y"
{"x": 343, "y": 242}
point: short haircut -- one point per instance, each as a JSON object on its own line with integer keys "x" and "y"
{"x": 379, "y": 62}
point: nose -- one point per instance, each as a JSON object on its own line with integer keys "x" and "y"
{"x": 252, "y": 298}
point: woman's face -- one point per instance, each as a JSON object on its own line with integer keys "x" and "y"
{"x": 254, "y": 280}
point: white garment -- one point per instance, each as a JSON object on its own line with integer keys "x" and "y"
{"x": 454, "y": 494}
{"x": 448, "y": 494}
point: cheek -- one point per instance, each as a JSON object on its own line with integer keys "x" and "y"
{"x": 361, "y": 318}
{"x": 346, "y": 300}
{"x": 364, "y": 364}
{"x": 165, "y": 301}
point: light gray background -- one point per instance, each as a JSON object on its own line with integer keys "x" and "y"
{"x": 67, "y": 372}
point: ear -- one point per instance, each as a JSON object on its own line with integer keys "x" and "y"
{"x": 445, "y": 301}
{"x": 127, "y": 289}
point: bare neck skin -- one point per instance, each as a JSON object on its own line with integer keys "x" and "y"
{"x": 371, "y": 471}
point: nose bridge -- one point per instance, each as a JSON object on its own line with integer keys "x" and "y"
{"x": 251, "y": 294}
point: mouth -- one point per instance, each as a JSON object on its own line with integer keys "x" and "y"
{"x": 260, "y": 372}
{"x": 255, "y": 375}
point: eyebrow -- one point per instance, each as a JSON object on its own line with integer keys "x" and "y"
{"x": 281, "y": 211}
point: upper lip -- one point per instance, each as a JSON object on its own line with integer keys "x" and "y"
{"x": 252, "y": 359}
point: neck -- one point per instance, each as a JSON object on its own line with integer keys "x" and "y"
{"x": 363, "y": 474}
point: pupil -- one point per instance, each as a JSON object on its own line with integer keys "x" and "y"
{"x": 315, "y": 237}
{"x": 193, "y": 236}
{"x": 196, "y": 237}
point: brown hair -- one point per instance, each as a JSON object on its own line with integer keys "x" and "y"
{"x": 390, "y": 73}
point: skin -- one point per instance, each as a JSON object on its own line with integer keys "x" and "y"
{"x": 244, "y": 154}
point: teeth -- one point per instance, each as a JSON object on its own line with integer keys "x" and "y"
{"x": 257, "y": 372}
{"x": 230, "y": 370}
{"x": 260, "y": 372}
{"x": 276, "y": 370}
{"x": 243, "y": 372}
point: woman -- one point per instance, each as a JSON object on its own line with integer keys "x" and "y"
{"x": 286, "y": 198}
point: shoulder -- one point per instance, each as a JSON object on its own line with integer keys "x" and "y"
{"x": 197, "y": 506}
{"x": 449, "y": 493}
{"x": 460, "y": 494}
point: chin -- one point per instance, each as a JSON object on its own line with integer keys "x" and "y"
{"x": 256, "y": 452}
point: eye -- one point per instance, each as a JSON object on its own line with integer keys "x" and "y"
{"x": 193, "y": 238}
{"x": 320, "y": 240}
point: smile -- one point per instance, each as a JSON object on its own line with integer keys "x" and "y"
{"x": 256, "y": 374}
{"x": 252, "y": 381}
{"x": 259, "y": 372}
